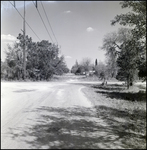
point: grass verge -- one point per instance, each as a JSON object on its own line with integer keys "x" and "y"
{"x": 123, "y": 110}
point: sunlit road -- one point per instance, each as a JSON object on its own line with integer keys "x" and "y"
{"x": 49, "y": 115}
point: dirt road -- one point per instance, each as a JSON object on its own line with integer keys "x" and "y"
{"x": 46, "y": 115}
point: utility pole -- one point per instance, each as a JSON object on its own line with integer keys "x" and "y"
{"x": 24, "y": 50}
{"x": 36, "y": 4}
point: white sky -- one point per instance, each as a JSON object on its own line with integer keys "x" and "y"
{"x": 79, "y": 26}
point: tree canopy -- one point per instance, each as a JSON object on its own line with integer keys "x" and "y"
{"x": 136, "y": 19}
{"x": 126, "y": 48}
{"x": 42, "y": 60}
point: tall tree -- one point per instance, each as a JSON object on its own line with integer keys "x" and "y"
{"x": 96, "y": 62}
{"x": 137, "y": 20}
{"x": 113, "y": 43}
{"x": 42, "y": 60}
{"x": 14, "y": 62}
{"x": 75, "y": 67}
{"x": 127, "y": 64}
{"x": 76, "y": 63}
{"x": 86, "y": 63}
{"x": 122, "y": 51}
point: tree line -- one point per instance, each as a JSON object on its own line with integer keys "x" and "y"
{"x": 125, "y": 48}
{"x": 87, "y": 67}
{"x": 42, "y": 60}
{"x": 84, "y": 66}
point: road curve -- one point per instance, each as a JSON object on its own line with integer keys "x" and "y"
{"x": 48, "y": 115}
{"x": 20, "y": 102}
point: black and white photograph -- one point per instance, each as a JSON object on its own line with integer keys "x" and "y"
{"x": 73, "y": 74}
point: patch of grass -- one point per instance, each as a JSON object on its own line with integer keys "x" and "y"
{"x": 123, "y": 110}
{"x": 119, "y": 92}
{"x": 130, "y": 126}
{"x": 110, "y": 87}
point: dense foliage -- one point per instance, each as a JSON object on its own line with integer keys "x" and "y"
{"x": 136, "y": 19}
{"x": 84, "y": 66}
{"x": 42, "y": 60}
{"x": 126, "y": 49}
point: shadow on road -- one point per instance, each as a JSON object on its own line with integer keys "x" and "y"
{"x": 82, "y": 128}
{"x": 24, "y": 90}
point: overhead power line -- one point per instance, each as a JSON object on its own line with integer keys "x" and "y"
{"x": 43, "y": 23}
{"x": 26, "y": 22}
{"x": 48, "y": 21}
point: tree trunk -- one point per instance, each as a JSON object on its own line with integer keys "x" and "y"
{"x": 104, "y": 82}
{"x": 131, "y": 82}
{"x": 128, "y": 83}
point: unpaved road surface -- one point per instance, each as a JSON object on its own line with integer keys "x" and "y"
{"x": 47, "y": 115}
